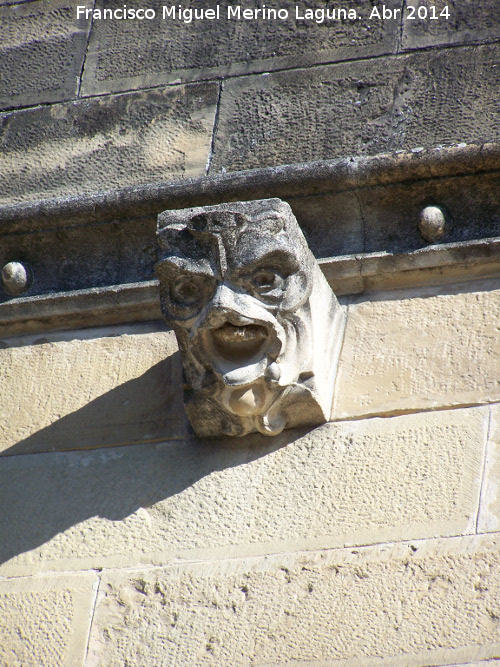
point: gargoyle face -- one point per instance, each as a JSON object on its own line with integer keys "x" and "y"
{"x": 235, "y": 283}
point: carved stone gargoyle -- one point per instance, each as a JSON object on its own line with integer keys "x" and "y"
{"x": 257, "y": 324}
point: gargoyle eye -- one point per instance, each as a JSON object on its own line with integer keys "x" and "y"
{"x": 264, "y": 278}
{"x": 187, "y": 290}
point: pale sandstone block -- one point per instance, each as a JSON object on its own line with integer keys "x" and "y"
{"x": 88, "y": 389}
{"x": 361, "y": 482}
{"x": 489, "y": 513}
{"x": 418, "y": 353}
{"x": 417, "y": 604}
{"x": 46, "y": 621}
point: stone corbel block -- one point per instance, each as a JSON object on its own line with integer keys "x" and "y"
{"x": 258, "y": 326}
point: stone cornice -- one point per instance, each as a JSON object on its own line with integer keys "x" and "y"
{"x": 92, "y": 256}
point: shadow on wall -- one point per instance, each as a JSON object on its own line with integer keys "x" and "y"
{"x": 45, "y": 494}
{"x": 148, "y": 408}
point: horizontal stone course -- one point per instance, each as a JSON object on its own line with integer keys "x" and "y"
{"x": 171, "y": 50}
{"x": 405, "y": 102}
{"x": 46, "y": 621}
{"x": 420, "y": 353}
{"x": 122, "y": 249}
{"x": 345, "y": 483}
{"x": 112, "y": 386}
{"x": 106, "y": 143}
{"x": 409, "y": 606}
{"x": 42, "y": 50}
{"x": 407, "y": 351}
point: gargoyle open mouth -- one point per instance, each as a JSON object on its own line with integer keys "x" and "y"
{"x": 238, "y": 343}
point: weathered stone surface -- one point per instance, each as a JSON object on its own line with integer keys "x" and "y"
{"x": 151, "y": 52}
{"x": 101, "y": 387}
{"x": 489, "y": 514}
{"x": 42, "y": 49}
{"x": 45, "y": 621}
{"x": 258, "y": 327}
{"x": 332, "y": 224}
{"x": 412, "y": 605}
{"x": 359, "y": 482}
{"x": 391, "y": 213}
{"x": 404, "y": 102}
{"x": 106, "y": 142}
{"x": 469, "y": 22}
{"x": 429, "y": 351}
{"x": 65, "y": 258}
{"x": 386, "y": 219}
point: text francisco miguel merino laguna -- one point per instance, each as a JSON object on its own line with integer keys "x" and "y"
{"x": 229, "y": 12}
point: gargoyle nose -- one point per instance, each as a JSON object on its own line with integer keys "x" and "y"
{"x": 226, "y": 304}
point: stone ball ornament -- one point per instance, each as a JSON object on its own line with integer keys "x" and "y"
{"x": 432, "y": 223}
{"x": 258, "y": 326}
{"x": 16, "y": 278}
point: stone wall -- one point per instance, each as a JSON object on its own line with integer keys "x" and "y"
{"x": 373, "y": 539}
{"x": 93, "y": 104}
{"x": 370, "y": 540}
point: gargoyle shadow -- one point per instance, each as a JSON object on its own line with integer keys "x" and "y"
{"x": 43, "y": 494}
